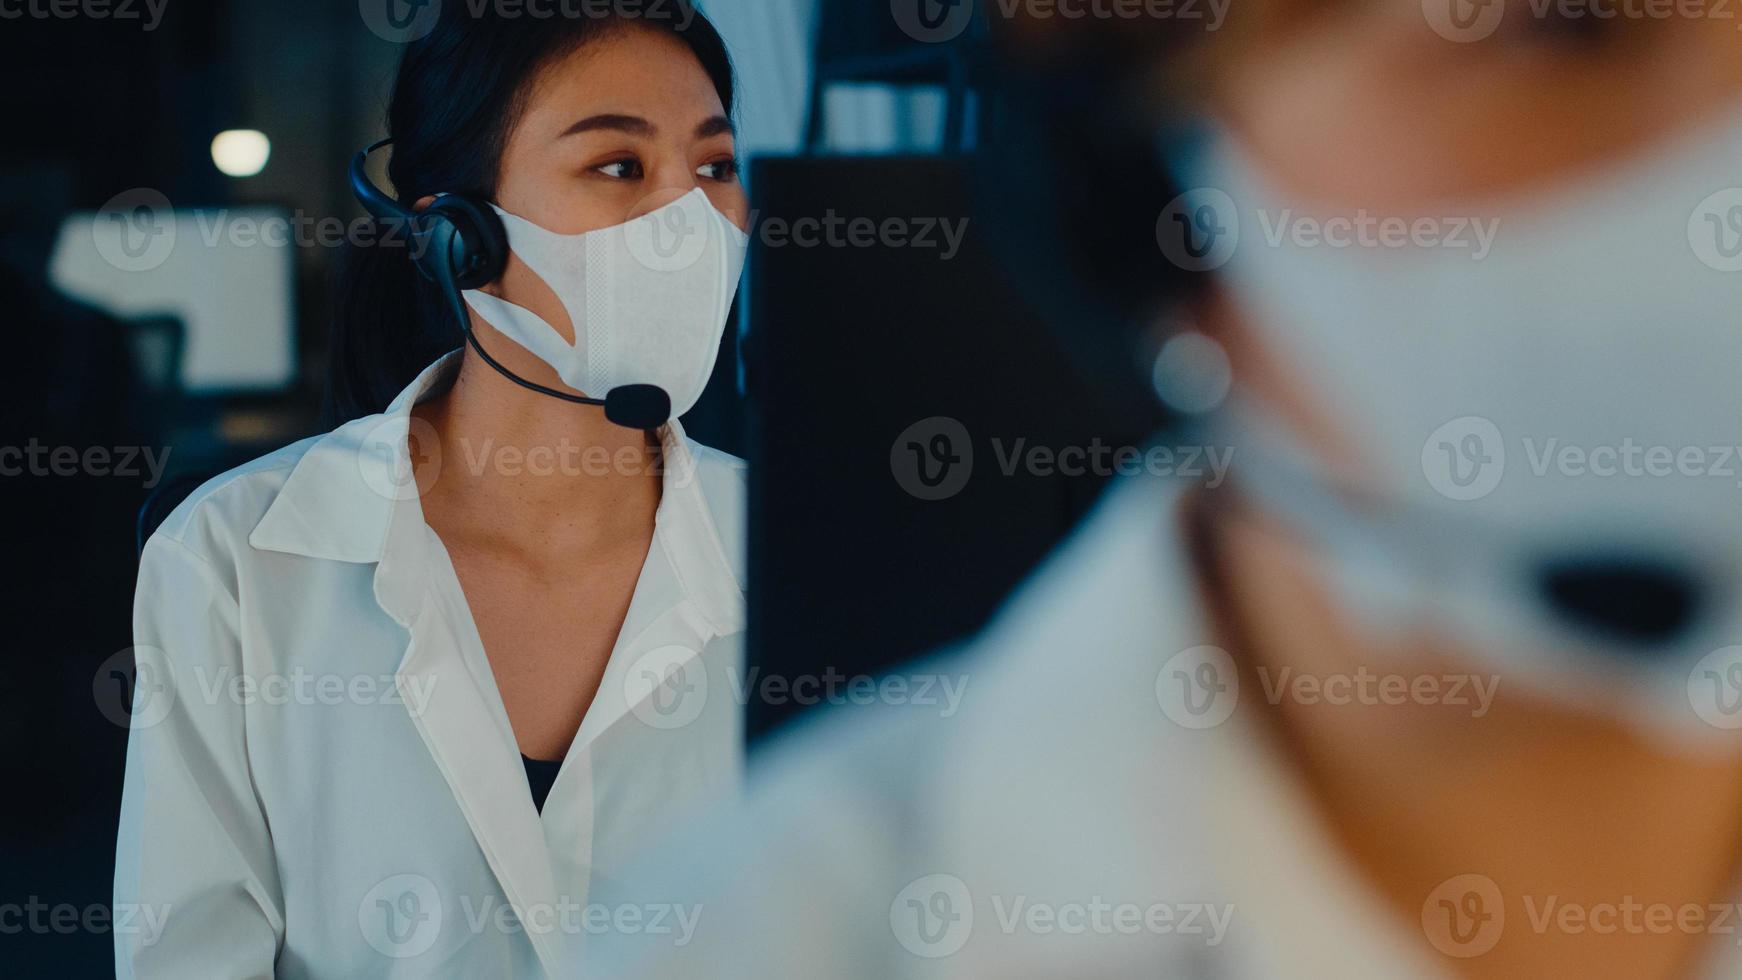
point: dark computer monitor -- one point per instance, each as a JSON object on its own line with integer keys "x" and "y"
{"x": 868, "y": 547}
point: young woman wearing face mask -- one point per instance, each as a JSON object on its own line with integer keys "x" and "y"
{"x": 411, "y": 688}
{"x": 1417, "y": 694}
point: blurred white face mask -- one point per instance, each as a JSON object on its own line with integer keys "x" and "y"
{"x": 1547, "y": 434}
{"x": 648, "y": 299}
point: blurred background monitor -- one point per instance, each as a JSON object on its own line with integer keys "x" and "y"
{"x": 227, "y": 276}
{"x": 895, "y": 391}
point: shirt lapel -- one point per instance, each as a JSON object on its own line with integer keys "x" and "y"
{"x": 688, "y": 595}
{"x": 462, "y": 721}
{"x": 353, "y": 498}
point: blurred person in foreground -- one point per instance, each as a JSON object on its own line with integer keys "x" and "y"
{"x": 1443, "y": 681}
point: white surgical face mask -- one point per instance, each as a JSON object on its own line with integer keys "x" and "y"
{"x": 1570, "y": 400}
{"x": 648, "y": 299}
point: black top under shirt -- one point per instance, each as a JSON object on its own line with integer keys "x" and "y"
{"x": 540, "y": 776}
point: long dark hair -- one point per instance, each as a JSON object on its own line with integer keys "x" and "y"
{"x": 458, "y": 95}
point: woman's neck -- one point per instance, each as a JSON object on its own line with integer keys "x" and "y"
{"x": 1559, "y": 809}
{"x": 531, "y": 471}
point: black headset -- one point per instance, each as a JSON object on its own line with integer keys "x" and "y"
{"x": 459, "y": 243}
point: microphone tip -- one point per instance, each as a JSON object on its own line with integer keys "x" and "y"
{"x": 638, "y": 406}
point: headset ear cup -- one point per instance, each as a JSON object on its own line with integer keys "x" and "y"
{"x": 481, "y": 249}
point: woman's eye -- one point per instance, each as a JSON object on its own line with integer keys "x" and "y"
{"x": 719, "y": 170}
{"x": 622, "y": 170}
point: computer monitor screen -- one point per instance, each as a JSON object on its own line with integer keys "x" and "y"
{"x": 896, "y": 384}
{"x": 228, "y": 275}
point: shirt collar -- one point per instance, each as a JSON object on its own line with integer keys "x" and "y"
{"x": 339, "y": 500}
{"x": 344, "y": 497}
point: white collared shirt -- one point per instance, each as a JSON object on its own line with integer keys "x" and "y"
{"x": 1071, "y": 819}
{"x": 321, "y": 777}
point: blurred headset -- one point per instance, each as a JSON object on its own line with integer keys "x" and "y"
{"x": 459, "y": 243}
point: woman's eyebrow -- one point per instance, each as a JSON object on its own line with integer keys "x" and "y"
{"x": 633, "y": 125}
{"x": 637, "y": 126}
{"x": 718, "y": 125}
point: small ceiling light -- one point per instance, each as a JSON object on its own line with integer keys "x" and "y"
{"x": 241, "y": 152}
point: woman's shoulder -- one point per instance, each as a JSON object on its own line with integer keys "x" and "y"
{"x": 214, "y": 521}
